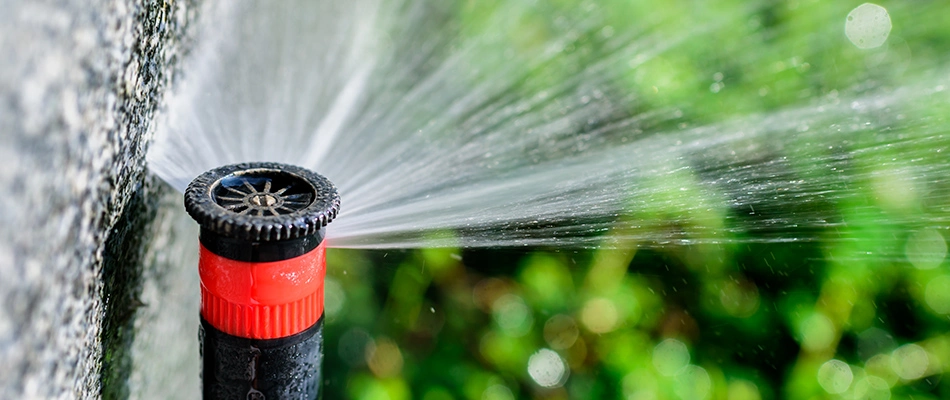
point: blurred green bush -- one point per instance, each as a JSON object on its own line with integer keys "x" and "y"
{"x": 857, "y": 311}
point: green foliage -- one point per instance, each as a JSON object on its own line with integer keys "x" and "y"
{"x": 857, "y": 310}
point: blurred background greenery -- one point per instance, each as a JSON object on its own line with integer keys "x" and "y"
{"x": 768, "y": 321}
{"x": 857, "y": 310}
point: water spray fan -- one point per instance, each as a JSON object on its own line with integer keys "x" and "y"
{"x": 262, "y": 265}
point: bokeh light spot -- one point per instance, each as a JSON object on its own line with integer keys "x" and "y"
{"x": 937, "y": 294}
{"x": 910, "y": 361}
{"x": 871, "y": 388}
{"x": 868, "y": 26}
{"x": 894, "y": 190}
{"x": 670, "y": 357}
{"x": 374, "y": 390}
{"x": 880, "y": 366}
{"x": 384, "y": 358}
{"x": 497, "y": 392}
{"x": 926, "y": 249}
{"x": 560, "y": 331}
{"x": 547, "y": 368}
{"x": 640, "y": 384}
{"x": 599, "y": 315}
{"x": 512, "y": 315}
{"x": 741, "y": 389}
{"x": 835, "y": 376}
{"x": 818, "y": 332}
{"x": 739, "y": 299}
{"x": 352, "y": 347}
{"x": 693, "y": 383}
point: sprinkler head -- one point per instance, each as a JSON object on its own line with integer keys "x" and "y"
{"x": 262, "y": 202}
{"x": 262, "y": 264}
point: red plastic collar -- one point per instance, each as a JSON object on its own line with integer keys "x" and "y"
{"x": 266, "y": 300}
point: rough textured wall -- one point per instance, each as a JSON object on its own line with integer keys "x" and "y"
{"x": 80, "y": 83}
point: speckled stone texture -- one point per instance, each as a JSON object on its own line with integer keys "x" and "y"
{"x": 80, "y": 83}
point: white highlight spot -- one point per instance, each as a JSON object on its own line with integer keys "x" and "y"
{"x": 547, "y": 368}
{"x": 868, "y": 26}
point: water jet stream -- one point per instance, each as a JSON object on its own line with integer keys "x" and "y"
{"x": 511, "y": 127}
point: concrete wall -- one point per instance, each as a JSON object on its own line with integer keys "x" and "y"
{"x": 80, "y": 84}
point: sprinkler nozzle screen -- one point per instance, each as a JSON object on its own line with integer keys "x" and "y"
{"x": 263, "y": 193}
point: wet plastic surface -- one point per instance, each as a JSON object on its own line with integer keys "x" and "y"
{"x": 239, "y": 368}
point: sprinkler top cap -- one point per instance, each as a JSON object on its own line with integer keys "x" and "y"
{"x": 262, "y": 201}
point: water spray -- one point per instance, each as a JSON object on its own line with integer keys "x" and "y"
{"x": 262, "y": 265}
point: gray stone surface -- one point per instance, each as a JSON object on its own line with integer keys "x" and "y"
{"x": 80, "y": 83}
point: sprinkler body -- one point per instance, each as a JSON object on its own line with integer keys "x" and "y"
{"x": 262, "y": 264}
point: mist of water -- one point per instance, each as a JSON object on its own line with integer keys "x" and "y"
{"x": 511, "y": 130}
